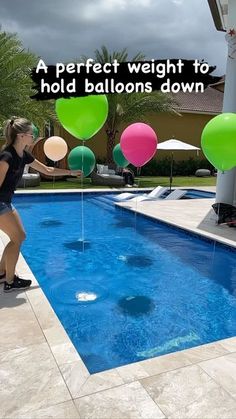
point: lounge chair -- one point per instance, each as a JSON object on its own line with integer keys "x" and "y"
{"x": 176, "y": 194}
{"x": 107, "y": 179}
{"x": 106, "y": 175}
{"x": 29, "y": 179}
{"x": 154, "y": 194}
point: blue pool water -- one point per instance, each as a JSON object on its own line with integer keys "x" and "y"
{"x": 139, "y": 289}
{"x": 197, "y": 194}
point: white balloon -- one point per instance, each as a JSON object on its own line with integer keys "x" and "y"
{"x": 55, "y": 148}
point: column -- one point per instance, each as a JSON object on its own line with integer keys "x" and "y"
{"x": 226, "y": 182}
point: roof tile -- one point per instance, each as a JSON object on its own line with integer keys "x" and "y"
{"x": 210, "y": 101}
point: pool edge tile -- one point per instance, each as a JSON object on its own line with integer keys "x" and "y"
{"x": 81, "y": 383}
{"x": 165, "y": 363}
{"x": 126, "y": 401}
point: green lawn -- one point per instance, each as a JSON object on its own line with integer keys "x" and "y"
{"x": 177, "y": 181}
{"x": 142, "y": 182}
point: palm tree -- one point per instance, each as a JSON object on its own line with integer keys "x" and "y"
{"x": 16, "y": 85}
{"x": 128, "y": 108}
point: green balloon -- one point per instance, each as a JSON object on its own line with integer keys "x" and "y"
{"x": 119, "y": 157}
{"x": 82, "y": 158}
{"x": 35, "y": 132}
{"x": 218, "y": 141}
{"x": 82, "y": 117}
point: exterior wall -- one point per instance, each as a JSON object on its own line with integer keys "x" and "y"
{"x": 187, "y": 128}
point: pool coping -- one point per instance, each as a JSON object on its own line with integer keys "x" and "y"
{"x": 77, "y": 378}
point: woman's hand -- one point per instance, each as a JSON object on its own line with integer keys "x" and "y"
{"x": 76, "y": 173}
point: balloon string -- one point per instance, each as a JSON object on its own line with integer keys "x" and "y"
{"x": 135, "y": 217}
{"x": 214, "y": 245}
{"x": 53, "y": 176}
{"x": 136, "y": 208}
{"x": 82, "y": 201}
{"x": 213, "y": 259}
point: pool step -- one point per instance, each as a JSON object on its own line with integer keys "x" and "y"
{"x": 105, "y": 202}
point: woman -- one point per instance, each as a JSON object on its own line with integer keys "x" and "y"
{"x": 13, "y": 158}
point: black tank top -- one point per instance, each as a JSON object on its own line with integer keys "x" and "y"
{"x": 15, "y": 171}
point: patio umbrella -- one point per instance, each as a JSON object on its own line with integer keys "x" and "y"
{"x": 175, "y": 145}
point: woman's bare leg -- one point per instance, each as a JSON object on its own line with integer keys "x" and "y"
{"x": 10, "y": 223}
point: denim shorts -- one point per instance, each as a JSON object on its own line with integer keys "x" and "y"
{"x": 5, "y": 207}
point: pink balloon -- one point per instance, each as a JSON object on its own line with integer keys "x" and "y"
{"x": 138, "y": 143}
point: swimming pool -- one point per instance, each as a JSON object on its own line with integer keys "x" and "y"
{"x": 140, "y": 289}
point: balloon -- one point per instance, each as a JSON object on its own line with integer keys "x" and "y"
{"x": 82, "y": 158}
{"x": 118, "y": 157}
{"x": 82, "y": 116}
{"x": 55, "y": 148}
{"x": 138, "y": 143}
{"x": 35, "y": 132}
{"x": 218, "y": 141}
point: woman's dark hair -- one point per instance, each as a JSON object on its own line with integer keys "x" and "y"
{"x": 13, "y": 127}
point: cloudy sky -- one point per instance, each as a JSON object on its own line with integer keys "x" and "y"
{"x": 63, "y": 30}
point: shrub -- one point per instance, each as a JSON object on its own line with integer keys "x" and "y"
{"x": 180, "y": 168}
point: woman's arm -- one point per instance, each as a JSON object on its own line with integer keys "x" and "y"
{"x": 4, "y": 166}
{"x": 53, "y": 171}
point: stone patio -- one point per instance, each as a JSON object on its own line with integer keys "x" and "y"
{"x": 43, "y": 376}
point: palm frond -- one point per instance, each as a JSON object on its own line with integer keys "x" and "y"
{"x": 16, "y": 85}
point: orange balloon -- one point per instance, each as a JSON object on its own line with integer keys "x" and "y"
{"x": 55, "y": 148}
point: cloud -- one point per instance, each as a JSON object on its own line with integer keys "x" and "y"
{"x": 63, "y": 31}
{"x": 178, "y": 2}
{"x": 91, "y": 10}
